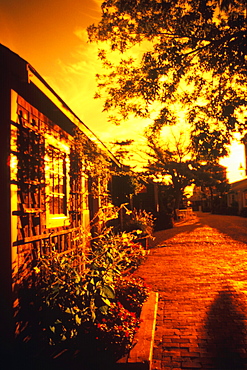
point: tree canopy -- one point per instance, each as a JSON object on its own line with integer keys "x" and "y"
{"x": 171, "y": 164}
{"x": 193, "y": 58}
{"x": 175, "y": 164}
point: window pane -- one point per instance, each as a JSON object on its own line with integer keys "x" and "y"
{"x": 57, "y": 181}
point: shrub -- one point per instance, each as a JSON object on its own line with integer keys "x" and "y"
{"x": 243, "y": 212}
{"x": 131, "y": 293}
{"x": 163, "y": 221}
{"x": 116, "y": 329}
{"x": 140, "y": 220}
{"x": 120, "y": 252}
{"x": 65, "y": 306}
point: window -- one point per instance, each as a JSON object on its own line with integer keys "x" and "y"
{"x": 245, "y": 198}
{"x": 40, "y": 165}
{"x": 57, "y": 181}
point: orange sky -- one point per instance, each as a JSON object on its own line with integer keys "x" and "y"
{"x": 48, "y": 34}
{"x": 44, "y": 31}
{"x": 51, "y": 36}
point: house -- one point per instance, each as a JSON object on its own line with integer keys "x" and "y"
{"x": 234, "y": 200}
{"x": 237, "y": 196}
{"x": 44, "y": 188}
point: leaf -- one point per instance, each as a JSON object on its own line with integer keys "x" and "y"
{"x": 36, "y": 269}
{"x": 93, "y": 315}
{"x": 63, "y": 338}
{"x": 104, "y": 309}
{"x": 52, "y": 328}
{"x": 106, "y": 300}
{"x": 108, "y": 292}
{"x": 77, "y": 320}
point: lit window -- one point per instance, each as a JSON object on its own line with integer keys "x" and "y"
{"x": 57, "y": 189}
{"x": 57, "y": 181}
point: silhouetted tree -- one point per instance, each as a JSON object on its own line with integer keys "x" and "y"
{"x": 212, "y": 176}
{"x": 177, "y": 165}
{"x": 173, "y": 164}
{"x": 121, "y": 149}
{"x": 193, "y": 57}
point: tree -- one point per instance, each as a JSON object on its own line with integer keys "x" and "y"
{"x": 175, "y": 165}
{"x": 194, "y": 59}
{"x": 213, "y": 177}
{"x": 171, "y": 164}
{"x": 121, "y": 150}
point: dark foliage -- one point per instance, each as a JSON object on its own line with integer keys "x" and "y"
{"x": 193, "y": 54}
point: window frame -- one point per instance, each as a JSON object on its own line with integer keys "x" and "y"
{"x": 57, "y": 219}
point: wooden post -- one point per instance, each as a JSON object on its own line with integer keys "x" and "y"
{"x": 6, "y": 305}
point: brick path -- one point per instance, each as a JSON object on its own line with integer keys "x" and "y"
{"x": 201, "y": 276}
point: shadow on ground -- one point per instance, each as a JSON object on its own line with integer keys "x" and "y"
{"x": 233, "y": 226}
{"x": 183, "y": 227}
{"x": 226, "y": 332}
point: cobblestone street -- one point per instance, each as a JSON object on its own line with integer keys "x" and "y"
{"x": 199, "y": 269}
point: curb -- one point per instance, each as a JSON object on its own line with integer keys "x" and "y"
{"x": 140, "y": 357}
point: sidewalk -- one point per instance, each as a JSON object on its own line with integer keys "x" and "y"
{"x": 201, "y": 276}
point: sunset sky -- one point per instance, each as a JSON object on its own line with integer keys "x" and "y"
{"x": 51, "y": 36}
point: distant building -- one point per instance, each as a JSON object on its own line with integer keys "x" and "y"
{"x": 237, "y": 196}
{"x": 235, "y": 161}
{"x": 236, "y": 200}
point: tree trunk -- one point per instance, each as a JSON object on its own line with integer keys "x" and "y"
{"x": 178, "y": 198}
